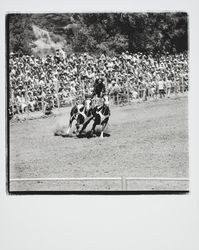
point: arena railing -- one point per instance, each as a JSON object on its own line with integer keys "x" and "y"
{"x": 100, "y": 183}
{"x": 115, "y": 99}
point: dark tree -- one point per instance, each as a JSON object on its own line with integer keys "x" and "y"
{"x": 103, "y": 32}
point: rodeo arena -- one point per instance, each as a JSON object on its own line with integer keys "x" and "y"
{"x": 84, "y": 122}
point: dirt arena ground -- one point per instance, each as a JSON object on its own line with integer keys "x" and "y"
{"x": 148, "y": 139}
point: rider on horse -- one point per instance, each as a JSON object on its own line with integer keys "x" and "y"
{"x": 99, "y": 88}
{"x": 88, "y": 110}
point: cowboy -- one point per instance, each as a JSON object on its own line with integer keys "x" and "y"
{"x": 99, "y": 88}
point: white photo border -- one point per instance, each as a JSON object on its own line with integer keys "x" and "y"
{"x": 104, "y": 222}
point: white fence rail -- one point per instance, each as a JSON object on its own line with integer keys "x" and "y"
{"x": 100, "y": 184}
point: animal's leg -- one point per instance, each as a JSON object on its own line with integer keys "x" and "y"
{"x": 77, "y": 127}
{"x": 70, "y": 125}
{"x": 103, "y": 127}
{"x": 68, "y": 130}
{"x": 93, "y": 127}
{"x": 85, "y": 125}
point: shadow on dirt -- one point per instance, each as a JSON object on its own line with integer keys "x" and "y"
{"x": 87, "y": 135}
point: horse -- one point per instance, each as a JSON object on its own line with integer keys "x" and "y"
{"x": 101, "y": 114}
{"x": 83, "y": 114}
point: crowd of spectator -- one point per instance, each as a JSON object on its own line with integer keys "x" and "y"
{"x": 61, "y": 78}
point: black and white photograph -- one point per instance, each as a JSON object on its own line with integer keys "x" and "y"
{"x": 97, "y": 102}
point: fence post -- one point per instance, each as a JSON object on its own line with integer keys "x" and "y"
{"x": 11, "y": 102}
{"x": 124, "y": 184}
{"x": 58, "y": 102}
{"x": 128, "y": 96}
{"x": 183, "y": 85}
{"x": 139, "y": 95}
{"x": 26, "y": 100}
{"x": 42, "y": 98}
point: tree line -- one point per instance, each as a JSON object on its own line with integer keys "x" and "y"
{"x": 109, "y": 33}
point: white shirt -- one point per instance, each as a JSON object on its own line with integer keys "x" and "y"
{"x": 161, "y": 85}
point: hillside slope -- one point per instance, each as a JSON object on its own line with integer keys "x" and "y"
{"x": 98, "y": 32}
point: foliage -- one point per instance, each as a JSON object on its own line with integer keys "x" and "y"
{"x": 103, "y": 32}
{"x": 21, "y": 35}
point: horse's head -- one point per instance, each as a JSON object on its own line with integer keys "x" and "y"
{"x": 87, "y": 104}
{"x": 106, "y": 100}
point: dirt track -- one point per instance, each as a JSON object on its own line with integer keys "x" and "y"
{"x": 147, "y": 140}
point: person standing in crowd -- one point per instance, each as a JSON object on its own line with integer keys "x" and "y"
{"x": 168, "y": 86}
{"x": 176, "y": 85}
{"x": 92, "y": 74}
{"x": 161, "y": 87}
{"x": 115, "y": 91}
{"x": 140, "y": 88}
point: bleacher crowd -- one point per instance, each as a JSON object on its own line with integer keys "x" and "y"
{"x": 61, "y": 78}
